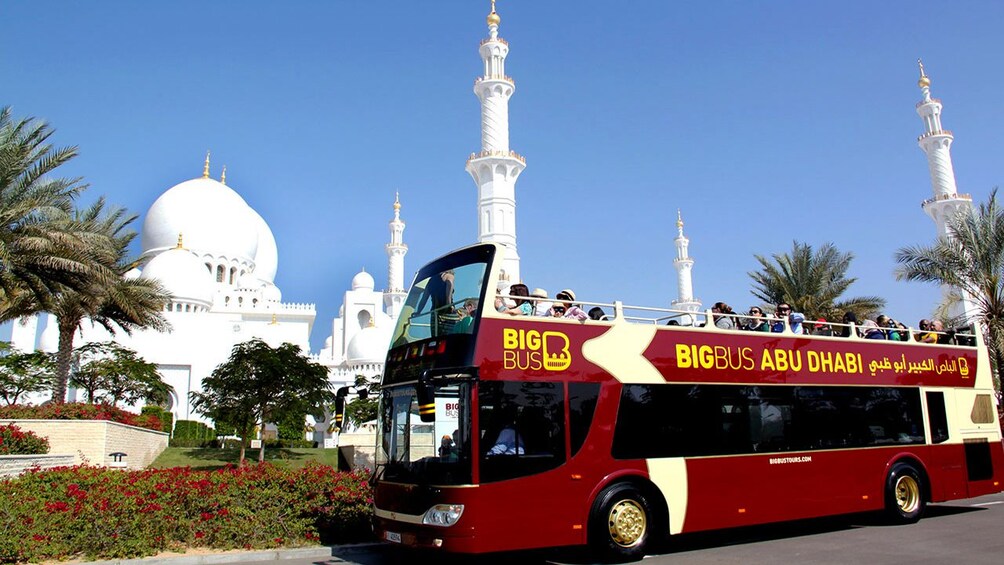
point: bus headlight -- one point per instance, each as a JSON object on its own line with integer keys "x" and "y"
{"x": 443, "y": 515}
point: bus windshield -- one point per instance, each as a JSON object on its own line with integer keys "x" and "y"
{"x": 432, "y": 453}
{"x": 445, "y": 298}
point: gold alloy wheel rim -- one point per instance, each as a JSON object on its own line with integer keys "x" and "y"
{"x": 907, "y": 494}
{"x": 626, "y": 523}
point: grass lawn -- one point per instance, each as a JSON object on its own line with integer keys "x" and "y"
{"x": 209, "y": 459}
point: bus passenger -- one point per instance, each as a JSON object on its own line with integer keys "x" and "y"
{"x": 755, "y": 321}
{"x": 509, "y": 442}
{"x": 871, "y": 330}
{"x": 925, "y": 335}
{"x": 523, "y": 306}
{"x": 596, "y": 313}
{"x": 564, "y": 307}
{"x": 723, "y": 315}
{"x": 795, "y": 319}
{"x": 542, "y": 305}
{"x": 466, "y": 311}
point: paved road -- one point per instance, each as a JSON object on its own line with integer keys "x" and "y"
{"x": 966, "y": 531}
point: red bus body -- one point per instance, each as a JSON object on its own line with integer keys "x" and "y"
{"x": 552, "y": 508}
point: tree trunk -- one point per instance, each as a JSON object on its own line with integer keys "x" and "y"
{"x": 63, "y": 354}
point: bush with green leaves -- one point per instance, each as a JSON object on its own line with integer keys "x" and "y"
{"x": 15, "y": 441}
{"x": 99, "y": 513}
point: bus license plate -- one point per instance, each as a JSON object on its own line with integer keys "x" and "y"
{"x": 392, "y": 536}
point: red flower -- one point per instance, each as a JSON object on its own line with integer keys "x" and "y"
{"x": 199, "y": 535}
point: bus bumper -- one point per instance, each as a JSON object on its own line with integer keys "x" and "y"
{"x": 426, "y": 537}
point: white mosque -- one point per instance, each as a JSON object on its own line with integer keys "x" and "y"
{"x": 218, "y": 259}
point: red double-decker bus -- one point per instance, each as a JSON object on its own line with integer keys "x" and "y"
{"x": 502, "y": 432}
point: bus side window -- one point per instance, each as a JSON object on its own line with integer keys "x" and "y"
{"x": 581, "y": 406}
{"x": 936, "y": 416}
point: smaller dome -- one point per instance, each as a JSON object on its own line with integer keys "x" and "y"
{"x": 362, "y": 281}
{"x": 182, "y": 274}
{"x": 271, "y": 293}
{"x": 368, "y": 346}
{"x": 328, "y": 342}
{"x": 249, "y": 281}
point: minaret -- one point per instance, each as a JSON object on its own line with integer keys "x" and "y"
{"x": 684, "y": 264}
{"x": 496, "y": 167}
{"x": 945, "y": 202}
{"x": 394, "y": 297}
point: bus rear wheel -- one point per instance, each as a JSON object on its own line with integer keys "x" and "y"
{"x": 904, "y": 494}
{"x": 620, "y": 523}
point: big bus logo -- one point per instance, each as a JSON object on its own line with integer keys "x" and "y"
{"x": 533, "y": 350}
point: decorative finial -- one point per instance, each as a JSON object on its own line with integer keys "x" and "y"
{"x": 275, "y": 321}
{"x": 679, "y": 218}
{"x": 205, "y": 169}
{"x": 493, "y": 18}
{"x": 924, "y": 81}
{"x": 223, "y": 179}
{"x": 180, "y": 245}
{"x": 397, "y": 201}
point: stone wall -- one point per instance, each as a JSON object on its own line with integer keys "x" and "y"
{"x": 93, "y": 441}
{"x": 13, "y": 465}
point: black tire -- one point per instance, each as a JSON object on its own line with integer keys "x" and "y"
{"x": 620, "y": 523}
{"x": 904, "y": 494}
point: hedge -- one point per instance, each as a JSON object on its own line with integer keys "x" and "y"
{"x": 79, "y": 411}
{"x": 165, "y": 416}
{"x": 193, "y": 430}
{"x": 99, "y": 513}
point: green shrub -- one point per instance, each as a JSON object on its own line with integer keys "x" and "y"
{"x": 79, "y": 411}
{"x": 14, "y": 441}
{"x": 192, "y": 429}
{"x": 291, "y": 443}
{"x": 165, "y": 416}
{"x": 97, "y": 513}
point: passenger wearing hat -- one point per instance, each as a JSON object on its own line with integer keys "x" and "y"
{"x": 542, "y": 306}
{"x": 564, "y": 307}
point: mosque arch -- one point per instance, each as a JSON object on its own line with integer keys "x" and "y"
{"x": 219, "y": 273}
{"x": 364, "y": 317}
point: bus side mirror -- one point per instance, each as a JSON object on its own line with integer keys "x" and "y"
{"x": 340, "y": 406}
{"x": 426, "y": 401}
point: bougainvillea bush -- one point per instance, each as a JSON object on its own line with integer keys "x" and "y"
{"x": 79, "y": 411}
{"x": 14, "y": 441}
{"x": 100, "y": 513}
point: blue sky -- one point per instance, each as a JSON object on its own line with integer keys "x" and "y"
{"x": 765, "y": 122}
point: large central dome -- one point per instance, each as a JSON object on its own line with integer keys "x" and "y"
{"x": 213, "y": 219}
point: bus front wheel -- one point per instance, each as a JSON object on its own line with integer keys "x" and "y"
{"x": 904, "y": 494}
{"x": 620, "y": 522}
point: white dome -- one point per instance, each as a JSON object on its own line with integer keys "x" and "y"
{"x": 369, "y": 345}
{"x": 362, "y": 281}
{"x": 211, "y": 218}
{"x": 182, "y": 274}
{"x": 131, "y": 274}
{"x": 266, "y": 260}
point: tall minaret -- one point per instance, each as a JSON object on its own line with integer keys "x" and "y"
{"x": 496, "y": 167}
{"x": 945, "y": 202}
{"x": 684, "y": 264}
{"x": 394, "y": 297}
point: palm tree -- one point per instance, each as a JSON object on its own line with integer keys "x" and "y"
{"x": 116, "y": 303}
{"x": 39, "y": 252}
{"x": 971, "y": 260}
{"x": 811, "y": 281}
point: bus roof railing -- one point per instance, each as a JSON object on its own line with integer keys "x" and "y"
{"x": 702, "y": 319}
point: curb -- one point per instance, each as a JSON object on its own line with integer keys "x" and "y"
{"x": 329, "y": 553}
